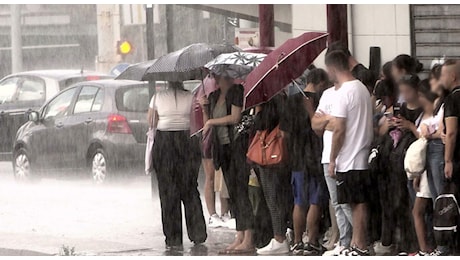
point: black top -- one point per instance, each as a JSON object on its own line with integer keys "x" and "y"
{"x": 411, "y": 114}
{"x": 452, "y": 109}
{"x": 304, "y": 146}
{"x": 270, "y": 115}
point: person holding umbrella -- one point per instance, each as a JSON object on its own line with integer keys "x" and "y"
{"x": 176, "y": 160}
{"x": 222, "y": 111}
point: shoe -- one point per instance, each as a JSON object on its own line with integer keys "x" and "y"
{"x": 420, "y": 253}
{"x": 215, "y": 221}
{"x": 345, "y": 252}
{"x": 226, "y": 217}
{"x": 358, "y": 252}
{"x": 336, "y": 251}
{"x": 436, "y": 252}
{"x": 311, "y": 250}
{"x": 382, "y": 250}
{"x": 297, "y": 249}
{"x": 274, "y": 248}
{"x": 230, "y": 224}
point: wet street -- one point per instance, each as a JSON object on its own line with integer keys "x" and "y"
{"x": 119, "y": 218}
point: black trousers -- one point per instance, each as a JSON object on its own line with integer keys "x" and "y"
{"x": 236, "y": 174}
{"x": 396, "y": 210}
{"x": 176, "y": 159}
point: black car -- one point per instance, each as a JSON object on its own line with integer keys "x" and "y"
{"x": 26, "y": 91}
{"x": 96, "y": 125}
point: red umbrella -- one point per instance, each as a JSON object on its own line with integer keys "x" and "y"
{"x": 207, "y": 86}
{"x": 281, "y": 66}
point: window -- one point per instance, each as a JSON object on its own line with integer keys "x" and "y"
{"x": 85, "y": 100}
{"x": 133, "y": 99}
{"x": 31, "y": 90}
{"x": 98, "y": 101}
{"x": 8, "y": 88}
{"x": 59, "y": 106}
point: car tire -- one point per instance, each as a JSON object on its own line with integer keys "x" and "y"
{"x": 22, "y": 166}
{"x": 99, "y": 166}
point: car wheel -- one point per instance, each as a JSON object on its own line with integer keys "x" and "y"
{"x": 22, "y": 166}
{"x": 99, "y": 166}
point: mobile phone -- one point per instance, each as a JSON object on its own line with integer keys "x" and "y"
{"x": 396, "y": 109}
{"x": 388, "y": 115}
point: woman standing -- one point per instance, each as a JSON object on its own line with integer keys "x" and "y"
{"x": 222, "y": 112}
{"x": 176, "y": 160}
{"x": 274, "y": 180}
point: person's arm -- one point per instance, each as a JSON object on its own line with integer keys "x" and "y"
{"x": 403, "y": 123}
{"x": 319, "y": 122}
{"x": 451, "y": 138}
{"x": 338, "y": 138}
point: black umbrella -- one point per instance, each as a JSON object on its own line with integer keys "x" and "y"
{"x": 136, "y": 71}
{"x": 186, "y": 63}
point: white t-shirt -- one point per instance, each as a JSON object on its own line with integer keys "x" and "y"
{"x": 173, "y": 112}
{"x": 353, "y": 102}
{"x": 325, "y": 106}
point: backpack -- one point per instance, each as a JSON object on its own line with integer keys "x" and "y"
{"x": 446, "y": 214}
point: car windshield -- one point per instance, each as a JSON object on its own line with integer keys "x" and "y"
{"x": 7, "y": 90}
{"x": 133, "y": 99}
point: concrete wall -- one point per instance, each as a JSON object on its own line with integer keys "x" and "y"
{"x": 387, "y": 26}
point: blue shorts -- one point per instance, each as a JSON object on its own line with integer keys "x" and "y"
{"x": 298, "y": 188}
{"x": 309, "y": 190}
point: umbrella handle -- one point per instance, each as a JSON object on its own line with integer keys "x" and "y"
{"x": 299, "y": 88}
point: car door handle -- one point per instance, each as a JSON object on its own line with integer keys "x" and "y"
{"x": 89, "y": 120}
{"x": 59, "y": 125}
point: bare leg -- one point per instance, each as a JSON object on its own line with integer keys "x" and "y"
{"x": 313, "y": 218}
{"x": 247, "y": 241}
{"x": 224, "y": 208}
{"x": 419, "y": 221}
{"x": 209, "y": 194}
{"x": 299, "y": 216}
{"x": 238, "y": 240}
{"x": 359, "y": 213}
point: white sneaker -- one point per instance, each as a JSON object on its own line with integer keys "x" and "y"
{"x": 230, "y": 224}
{"x": 274, "y": 248}
{"x": 215, "y": 221}
{"x": 336, "y": 251}
{"x": 226, "y": 217}
{"x": 381, "y": 250}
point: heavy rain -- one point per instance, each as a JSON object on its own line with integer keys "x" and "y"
{"x": 226, "y": 129}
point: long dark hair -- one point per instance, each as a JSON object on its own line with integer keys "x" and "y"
{"x": 436, "y": 74}
{"x": 425, "y": 89}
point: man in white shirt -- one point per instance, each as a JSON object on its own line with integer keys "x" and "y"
{"x": 322, "y": 123}
{"x": 351, "y": 141}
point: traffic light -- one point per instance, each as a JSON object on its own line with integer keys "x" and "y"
{"x": 124, "y": 47}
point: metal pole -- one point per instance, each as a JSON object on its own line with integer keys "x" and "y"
{"x": 267, "y": 25}
{"x": 16, "y": 38}
{"x": 169, "y": 28}
{"x": 150, "y": 32}
{"x": 337, "y": 23}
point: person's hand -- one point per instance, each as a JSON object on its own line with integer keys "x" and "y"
{"x": 403, "y": 123}
{"x": 448, "y": 170}
{"x": 424, "y": 132}
{"x": 391, "y": 121}
{"x": 207, "y": 127}
{"x": 443, "y": 138}
{"x": 416, "y": 184}
{"x": 204, "y": 101}
{"x": 331, "y": 170}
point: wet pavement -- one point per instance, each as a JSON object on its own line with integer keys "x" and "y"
{"x": 119, "y": 218}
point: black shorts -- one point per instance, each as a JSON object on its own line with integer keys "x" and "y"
{"x": 353, "y": 187}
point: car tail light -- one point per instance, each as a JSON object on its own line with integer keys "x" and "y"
{"x": 118, "y": 124}
{"x": 92, "y": 77}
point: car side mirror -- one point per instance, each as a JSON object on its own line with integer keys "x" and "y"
{"x": 34, "y": 116}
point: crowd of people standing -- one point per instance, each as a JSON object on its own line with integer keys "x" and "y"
{"x": 342, "y": 188}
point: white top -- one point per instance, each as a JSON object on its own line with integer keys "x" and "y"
{"x": 438, "y": 117}
{"x": 325, "y": 106}
{"x": 173, "y": 112}
{"x": 353, "y": 102}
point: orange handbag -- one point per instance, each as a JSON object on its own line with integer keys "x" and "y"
{"x": 268, "y": 148}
